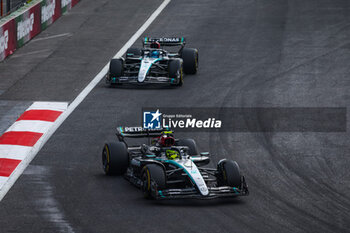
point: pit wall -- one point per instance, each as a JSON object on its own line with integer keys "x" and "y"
{"x": 24, "y": 24}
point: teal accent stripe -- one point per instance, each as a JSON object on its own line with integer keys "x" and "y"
{"x": 177, "y": 165}
{"x": 180, "y": 166}
{"x": 161, "y": 193}
{"x": 158, "y": 59}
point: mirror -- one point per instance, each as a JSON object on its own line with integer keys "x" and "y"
{"x": 204, "y": 153}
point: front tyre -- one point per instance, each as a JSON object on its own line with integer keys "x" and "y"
{"x": 228, "y": 173}
{"x": 116, "y": 70}
{"x": 152, "y": 174}
{"x": 190, "y": 59}
{"x": 176, "y": 72}
{"x": 115, "y": 158}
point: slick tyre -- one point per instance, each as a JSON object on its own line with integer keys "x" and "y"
{"x": 176, "y": 72}
{"x": 133, "y": 52}
{"x": 190, "y": 143}
{"x": 116, "y": 68}
{"x": 152, "y": 173}
{"x": 190, "y": 60}
{"x": 115, "y": 158}
{"x": 229, "y": 173}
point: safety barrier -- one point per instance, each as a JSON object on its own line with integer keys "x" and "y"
{"x": 9, "y": 6}
{"x": 27, "y": 22}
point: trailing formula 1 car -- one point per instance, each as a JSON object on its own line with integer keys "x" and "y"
{"x": 169, "y": 168}
{"x": 154, "y": 64}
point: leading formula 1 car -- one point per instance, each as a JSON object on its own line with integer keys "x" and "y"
{"x": 154, "y": 64}
{"x": 169, "y": 168}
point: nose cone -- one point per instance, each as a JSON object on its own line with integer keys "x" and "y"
{"x": 145, "y": 65}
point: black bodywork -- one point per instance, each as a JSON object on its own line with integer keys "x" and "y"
{"x": 134, "y": 71}
{"x": 178, "y": 183}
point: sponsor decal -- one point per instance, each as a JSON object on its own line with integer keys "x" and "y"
{"x": 65, "y": 3}
{"x": 25, "y": 27}
{"x": 171, "y": 40}
{"x": 133, "y": 129}
{"x": 48, "y": 11}
{"x": 165, "y": 39}
{"x": 7, "y": 39}
{"x": 4, "y": 40}
{"x": 28, "y": 24}
{"x": 138, "y": 129}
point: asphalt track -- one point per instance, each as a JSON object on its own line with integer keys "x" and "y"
{"x": 252, "y": 54}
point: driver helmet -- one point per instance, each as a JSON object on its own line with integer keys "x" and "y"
{"x": 155, "y": 45}
{"x": 155, "y": 54}
{"x": 166, "y": 140}
{"x": 172, "y": 154}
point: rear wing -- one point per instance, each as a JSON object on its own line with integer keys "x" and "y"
{"x": 137, "y": 132}
{"x": 165, "y": 41}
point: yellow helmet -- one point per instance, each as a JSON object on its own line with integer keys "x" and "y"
{"x": 172, "y": 154}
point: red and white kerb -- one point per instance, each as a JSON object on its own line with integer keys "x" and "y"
{"x": 18, "y": 140}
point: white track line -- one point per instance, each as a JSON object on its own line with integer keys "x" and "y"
{"x": 22, "y": 166}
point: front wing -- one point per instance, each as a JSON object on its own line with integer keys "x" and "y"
{"x": 193, "y": 193}
{"x": 134, "y": 80}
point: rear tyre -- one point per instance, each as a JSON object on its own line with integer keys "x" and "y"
{"x": 115, "y": 158}
{"x": 190, "y": 59}
{"x": 176, "y": 72}
{"x": 229, "y": 174}
{"x": 152, "y": 173}
{"x": 133, "y": 52}
{"x": 190, "y": 143}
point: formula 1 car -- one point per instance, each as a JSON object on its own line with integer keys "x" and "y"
{"x": 154, "y": 64}
{"x": 169, "y": 168}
